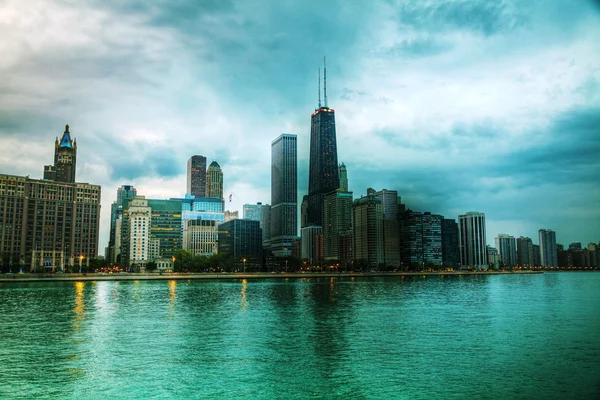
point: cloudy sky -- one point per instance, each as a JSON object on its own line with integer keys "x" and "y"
{"x": 482, "y": 105}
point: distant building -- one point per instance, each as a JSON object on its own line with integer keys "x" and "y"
{"x": 323, "y": 173}
{"x": 507, "y": 247}
{"x": 389, "y": 201}
{"x": 337, "y": 217}
{"x": 537, "y": 259}
{"x": 450, "y": 254}
{"x": 196, "y": 176}
{"x": 472, "y": 240}
{"x": 265, "y": 224}
{"x": 525, "y": 257}
{"x": 548, "y": 249}
{"x": 214, "y": 181}
{"x": 432, "y": 239}
{"x": 138, "y": 232}
{"x": 284, "y": 194}
{"x": 493, "y": 257}
{"x": 200, "y": 237}
{"x": 47, "y": 223}
{"x": 165, "y": 226}
{"x": 252, "y": 211}
{"x": 241, "y": 240}
{"x": 343, "y": 175}
{"x": 411, "y": 239}
{"x": 308, "y": 237}
{"x": 116, "y": 211}
{"x": 231, "y": 215}
{"x": 575, "y": 246}
{"x": 367, "y": 215}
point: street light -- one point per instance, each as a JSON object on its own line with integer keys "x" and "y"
{"x": 244, "y": 260}
{"x": 80, "y": 261}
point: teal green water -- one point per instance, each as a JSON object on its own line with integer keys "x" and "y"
{"x": 488, "y": 337}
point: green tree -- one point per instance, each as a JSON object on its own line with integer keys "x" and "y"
{"x": 183, "y": 261}
{"x": 151, "y": 266}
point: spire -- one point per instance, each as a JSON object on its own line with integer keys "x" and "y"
{"x": 325, "y": 80}
{"x": 66, "y": 138}
{"x": 319, "y": 87}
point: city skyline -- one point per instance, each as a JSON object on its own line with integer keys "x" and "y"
{"x": 482, "y": 130}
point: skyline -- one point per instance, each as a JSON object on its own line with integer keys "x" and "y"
{"x": 459, "y": 106}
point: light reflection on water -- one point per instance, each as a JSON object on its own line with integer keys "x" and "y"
{"x": 414, "y": 337}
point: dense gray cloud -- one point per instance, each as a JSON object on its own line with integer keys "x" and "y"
{"x": 459, "y": 105}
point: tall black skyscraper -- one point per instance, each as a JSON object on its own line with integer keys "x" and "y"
{"x": 323, "y": 170}
{"x": 196, "y": 176}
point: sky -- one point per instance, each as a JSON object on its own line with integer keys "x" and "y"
{"x": 490, "y": 106}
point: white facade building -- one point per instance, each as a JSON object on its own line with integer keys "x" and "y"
{"x": 472, "y": 241}
{"x": 140, "y": 215}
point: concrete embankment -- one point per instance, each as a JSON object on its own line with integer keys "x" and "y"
{"x": 12, "y": 278}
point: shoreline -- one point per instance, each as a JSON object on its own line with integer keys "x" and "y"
{"x": 20, "y": 278}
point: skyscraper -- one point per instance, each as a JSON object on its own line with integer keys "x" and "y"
{"x": 525, "y": 256}
{"x": 389, "y": 200}
{"x": 507, "y": 248}
{"x": 367, "y": 215}
{"x": 196, "y": 176}
{"x": 252, "y": 211}
{"x": 548, "y": 254}
{"x": 450, "y": 255}
{"x": 472, "y": 240}
{"x": 284, "y": 194}
{"x": 343, "y": 174}
{"x": 65, "y": 157}
{"x": 116, "y": 210}
{"x": 323, "y": 174}
{"x": 432, "y": 239}
{"x": 214, "y": 181}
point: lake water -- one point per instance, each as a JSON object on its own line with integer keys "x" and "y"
{"x": 489, "y": 337}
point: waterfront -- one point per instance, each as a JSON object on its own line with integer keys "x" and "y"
{"x": 464, "y": 336}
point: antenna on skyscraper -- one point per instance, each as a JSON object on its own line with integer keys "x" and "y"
{"x": 325, "y": 80}
{"x": 319, "y": 87}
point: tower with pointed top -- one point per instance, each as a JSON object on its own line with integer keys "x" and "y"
{"x": 323, "y": 175}
{"x": 214, "y": 181}
{"x": 65, "y": 157}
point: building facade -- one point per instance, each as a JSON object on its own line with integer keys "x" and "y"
{"x": 214, "y": 181}
{"x": 308, "y": 238}
{"x": 196, "y": 176}
{"x": 507, "y": 248}
{"x": 116, "y": 211}
{"x": 252, "y": 211}
{"x": 472, "y": 240}
{"x": 525, "y": 256}
{"x": 200, "y": 237}
{"x": 47, "y": 223}
{"x": 138, "y": 233}
{"x": 432, "y": 239}
{"x": 241, "y": 240}
{"x": 367, "y": 216}
{"x": 411, "y": 240}
{"x": 337, "y": 220}
{"x": 548, "y": 251}
{"x": 165, "y": 226}
{"x": 284, "y": 193}
{"x": 450, "y": 254}
{"x": 391, "y": 229}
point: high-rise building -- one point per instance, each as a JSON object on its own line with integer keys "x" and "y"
{"x": 323, "y": 174}
{"x": 116, "y": 210}
{"x": 537, "y": 257}
{"x": 472, "y": 240}
{"x": 411, "y": 239}
{"x": 493, "y": 257}
{"x": 432, "y": 239}
{"x": 450, "y": 254}
{"x": 47, "y": 223}
{"x": 165, "y": 226}
{"x": 214, "y": 181}
{"x": 308, "y": 237}
{"x": 391, "y": 246}
{"x": 138, "y": 233}
{"x": 241, "y": 240}
{"x": 548, "y": 252}
{"x": 337, "y": 213}
{"x": 252, "y": 211}
{"x": 196, "y": 176}
{"x": 65, "y": 157}
{"x": 507, "y": 248}
{"x": 284, "y": 194}
{"x": 367, "y": 216}
{"x": 525, "y": 256}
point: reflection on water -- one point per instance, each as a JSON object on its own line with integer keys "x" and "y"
{"x": 407, "y": 337}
